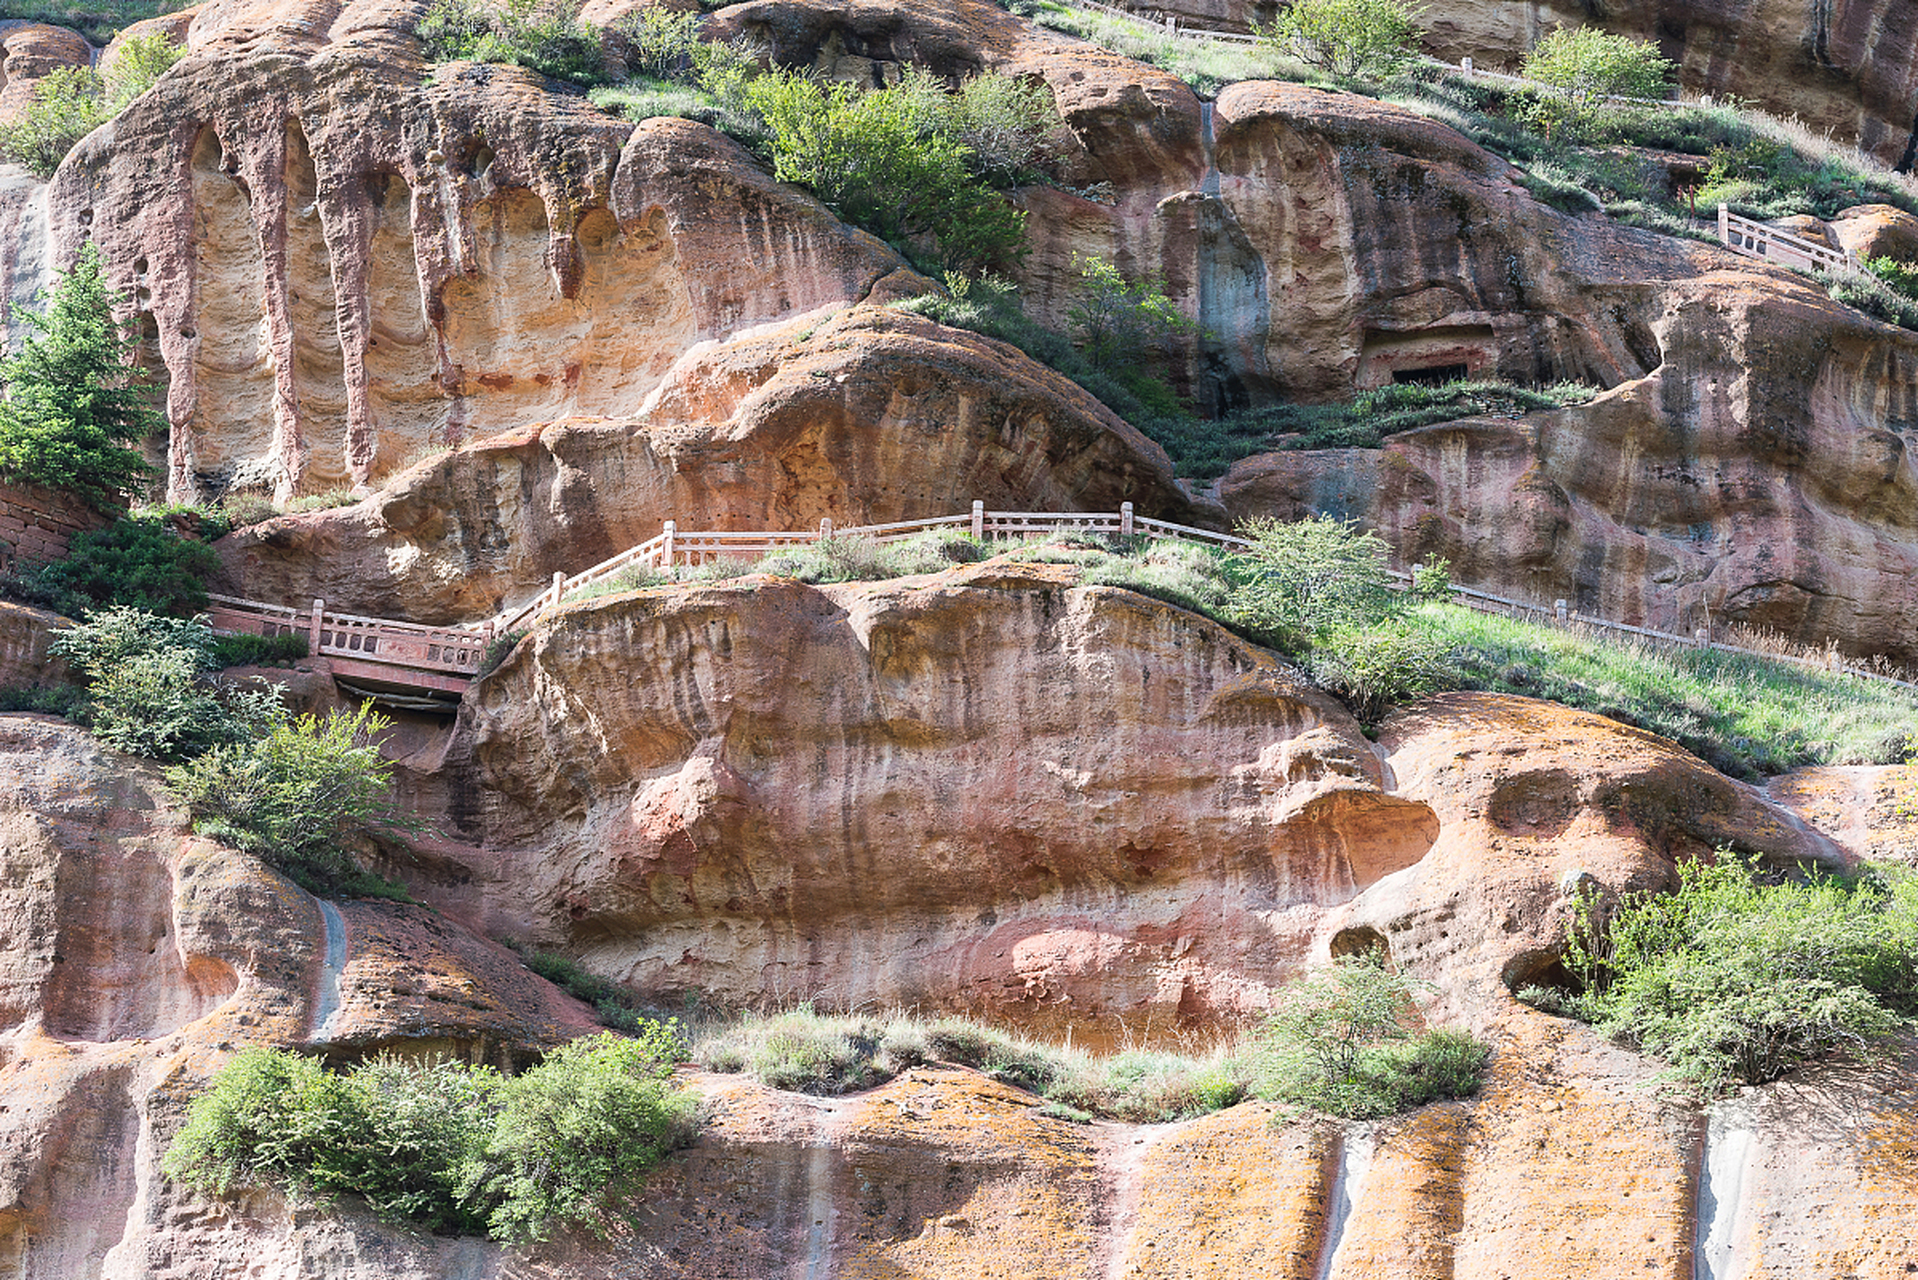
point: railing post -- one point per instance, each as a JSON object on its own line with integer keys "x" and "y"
{"x": 1465, "y": 65}
{"x": 1703, "y": 636}
{"x": 978, "y": 519}
{"x": 559, "y": 587}
{"x": 1125, "y": 519}
{"x": 666, "y": 552}
{"x": 1724, "y": 224}
{"x": 825, "y": 528}
{"x": 313, "y": 632}
{"x": 1558, "y": 608}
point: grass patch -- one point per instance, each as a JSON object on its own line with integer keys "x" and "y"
{"x": 98, "y": 20}
{"x": 1746, "y": 716}
{"x": 253, "y": 651}
{"x": 1206, "y": 65}
{"x": 809, "y": 1051}
{"x": 617, "y": 1007}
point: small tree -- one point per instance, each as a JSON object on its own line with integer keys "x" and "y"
{"x": 147, "y": 689}
{"x": 1301, "y": 580}
{"x": 1118, "y": 321}
{"x": 1349, "y": 38}
{"x": 296, "y": 795}
{"x": 76, "y": 396}
{"x": 1585, "y": 66}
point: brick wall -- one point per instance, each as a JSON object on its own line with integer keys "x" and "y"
{"x": 36, "y": 524}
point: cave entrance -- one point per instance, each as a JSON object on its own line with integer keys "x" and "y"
{"x": 1361, "y": 940}
{"x": 1436, "y": 375}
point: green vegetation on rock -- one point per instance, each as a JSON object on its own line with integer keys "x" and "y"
{"x": 812, "y": 1052}
{"x": 71, "y": 102}
{"x": 1349, "y": 38}
{"x": 1738, "y": 977}
{"x": 139, "y": 561}
{"x": 298, "y": 794}
{"x": 446, "y": 1146}
{"x": 1341, "y": 1041}
{"x": 98, "y": 20}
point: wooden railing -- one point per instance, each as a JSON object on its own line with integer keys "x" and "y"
{"x": 678, "y": 547}
{"x": 446, "y": 659}
{"x": 441, "y": 658}
{"x": 1756, "y": 240}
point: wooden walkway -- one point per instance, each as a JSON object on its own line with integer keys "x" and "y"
{"x": 399, "y": 658}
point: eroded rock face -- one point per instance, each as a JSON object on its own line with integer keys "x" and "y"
{"x": 984, "y": 789}
{"x": 135, "y": 959}
{"x": 1536, "y": 804}
{"x": 342, "y": 259}
{"x": 1762, "y": 474}
{"x": 865, "y": 417}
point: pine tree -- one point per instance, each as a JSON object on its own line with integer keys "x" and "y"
{"x": 76, "y": 396}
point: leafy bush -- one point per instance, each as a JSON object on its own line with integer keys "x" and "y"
{"x": 1586, "y": 66}
{"x": 298, "y": 794}
{"x": 66, "y": 106}
{"x": 1735, "y": 977}
{"x": 541, "y": 35}
{"x": 75, "y": 396}
{"x": 1349, "y": 38}
{"x": 1373, "y": 667}
{"x": 71, "y": 102}
{"x": 146, "y": 686}
{"x": 248, "y": 650}
{"x": 1301, "y": 580}
{"x": 576, "y": 1134}
{"x": 498, "y": 650}
{"x": 54, "y": 700}
{"x": 140, "y": 562}
{"x": 616, "y": 1006}
{"x": 1339, "y": 1041}
{"x": 1873, "y": 293}
{"x": 1119, "y": 321}
{"x": 657, "y": 43}
{"x": 446, "y": 1146}
{"x": 891, "y": 161}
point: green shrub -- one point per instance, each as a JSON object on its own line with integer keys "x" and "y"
{"x": 1373, "y": 667}
{"x": 1302, "y": 580}
{"x": 446, "y": 1146}
{"x": 616, "y": 1006}
{"x": 243, "y": 509}
{"x": 657, "y": 43}
{"x": 541, "y": 35}
{"x": 498, "y": 650}
{"x": 1119, "y": 321}
{"x": 891, "y": 161}
{"x": 859, "y": 559}
{"x": 71, "y": 102}
{"x": 820, "y": 1053}
{"x": 1586, "y": 66}
{"x": 1873, "y": 293}
{"x": 577, "y": 1134}
{"x": 1339, "y": 1041}
{"x": 140, "y": 562}
{"x": 146, "y": 687}
{"x": 297, "y": 795}
{"x": 75, "y": 395}
{"x": 1349, "y": 38}
{"x": 1739, "y": 977}
{"x": 54, "y": 699}
{"x": 249, "y": 650}
{"x": 67, "y": 105}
